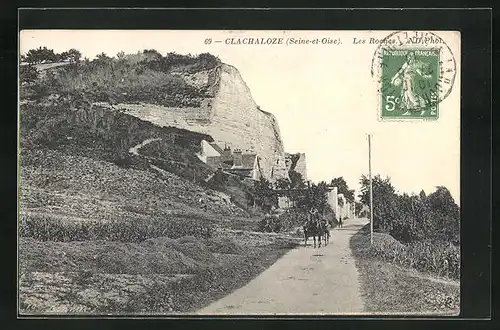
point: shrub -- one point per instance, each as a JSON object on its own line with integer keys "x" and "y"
{"x": 28, "y": 74}
{"x": 46, "y": 228}
{"x": 270, "y": 223}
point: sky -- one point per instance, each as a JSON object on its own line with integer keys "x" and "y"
{"x": 323, "y": 96}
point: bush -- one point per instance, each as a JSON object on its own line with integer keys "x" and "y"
{"x": 442, "y": 259}
{"x": 28, "y": 74}
{"x": 45, "y": 228}
{"x": 270, "y": 223}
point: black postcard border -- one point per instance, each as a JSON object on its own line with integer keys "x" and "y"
{"x": 476, "y": 120}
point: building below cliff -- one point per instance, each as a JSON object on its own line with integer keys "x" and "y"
{"x": 248, "y": 163}
{"x": 339, "y": 204}
{"x": 245, "y": 164}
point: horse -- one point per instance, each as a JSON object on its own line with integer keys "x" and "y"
{"x": 326, "y": 231}
{"x": 312, "y": 229}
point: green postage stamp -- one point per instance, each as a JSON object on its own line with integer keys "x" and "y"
{"x": 410, "y": 83}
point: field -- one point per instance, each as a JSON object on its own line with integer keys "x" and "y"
{"x": 100, "y": 238}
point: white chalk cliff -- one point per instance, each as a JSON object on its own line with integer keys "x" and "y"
{"x": 230, "y": 116}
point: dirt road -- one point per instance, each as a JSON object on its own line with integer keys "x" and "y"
{"x": 135, "y": 150}
{"x": 304, "y": 281}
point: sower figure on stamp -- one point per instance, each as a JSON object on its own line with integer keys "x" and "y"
{"x": 409, "y": 99}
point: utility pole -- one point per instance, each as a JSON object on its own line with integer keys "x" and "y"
{"x": 371, "y": 186}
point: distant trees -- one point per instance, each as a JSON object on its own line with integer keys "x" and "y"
{"x": 359, "y": 208}
{"x": 45, "y": 55}
{"x": 343, "y": 188}
{"x": 412, "y": 217}
{"x": 120, "y": 55}
{"x": 189, "y": 63}
{"x": 102, "y": 58}
{"x": 315, "y": 196}
{"x": 153, "y": 53}
{"x": 40, "y": 55}
{"x": 72, "y": 55}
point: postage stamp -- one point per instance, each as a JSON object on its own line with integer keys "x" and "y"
{"x": 415, "y": 72}
{"x": 408, "y": 80}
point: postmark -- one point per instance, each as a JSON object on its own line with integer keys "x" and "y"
{"x": 415, "y": 72}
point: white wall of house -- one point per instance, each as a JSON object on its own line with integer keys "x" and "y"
{"x": 333, "y": 199}
{"x": 207, "y": 151}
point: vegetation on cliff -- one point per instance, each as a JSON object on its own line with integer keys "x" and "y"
{"x": 143, "y": 77}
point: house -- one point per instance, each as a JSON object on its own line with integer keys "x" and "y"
{"x": 332, "y": 196}
{"x": 286, "y": 162}
{"x": 235, "y": 162}
{"x": 279, "y": 169}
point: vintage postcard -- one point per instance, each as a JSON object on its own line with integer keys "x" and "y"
{"x": 171, "y": 172}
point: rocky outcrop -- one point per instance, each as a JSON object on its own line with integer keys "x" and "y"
{"x": 230, "y": 115}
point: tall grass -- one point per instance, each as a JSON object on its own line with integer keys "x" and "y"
{"x": 439, "y": 258}
{"x": 46, "y": 228}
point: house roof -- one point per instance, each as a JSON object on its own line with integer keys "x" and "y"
{"x": 217, "y": 147}
{"x": 209, "y": 150}
{"x": 239, "y": 171}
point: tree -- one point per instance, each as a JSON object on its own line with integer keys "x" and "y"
{"x": 74, "y": 55}
{"x": 41, "y": 55}
{"x": 102, "y": 58}
{"x": 153, "y": 53}
{"x": 422, "y": 194}
{"x": 315, "y": 196}
{"x": 416, "y": 217}
{"x": 296, "y": 180}
{"x": 359, "y": 207}
{"x": 446, "y": 215}
{"x": 120, "y": 55}
{"x": 282, "y": 184}
{"x": 264, "y": 195}
{"x": 343, "y": 188}
{"x": 441, "y": 201}
{"x": 384, "y": 200}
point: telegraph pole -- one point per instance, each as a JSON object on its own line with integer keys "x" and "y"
{"x": 371, "y": 186}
